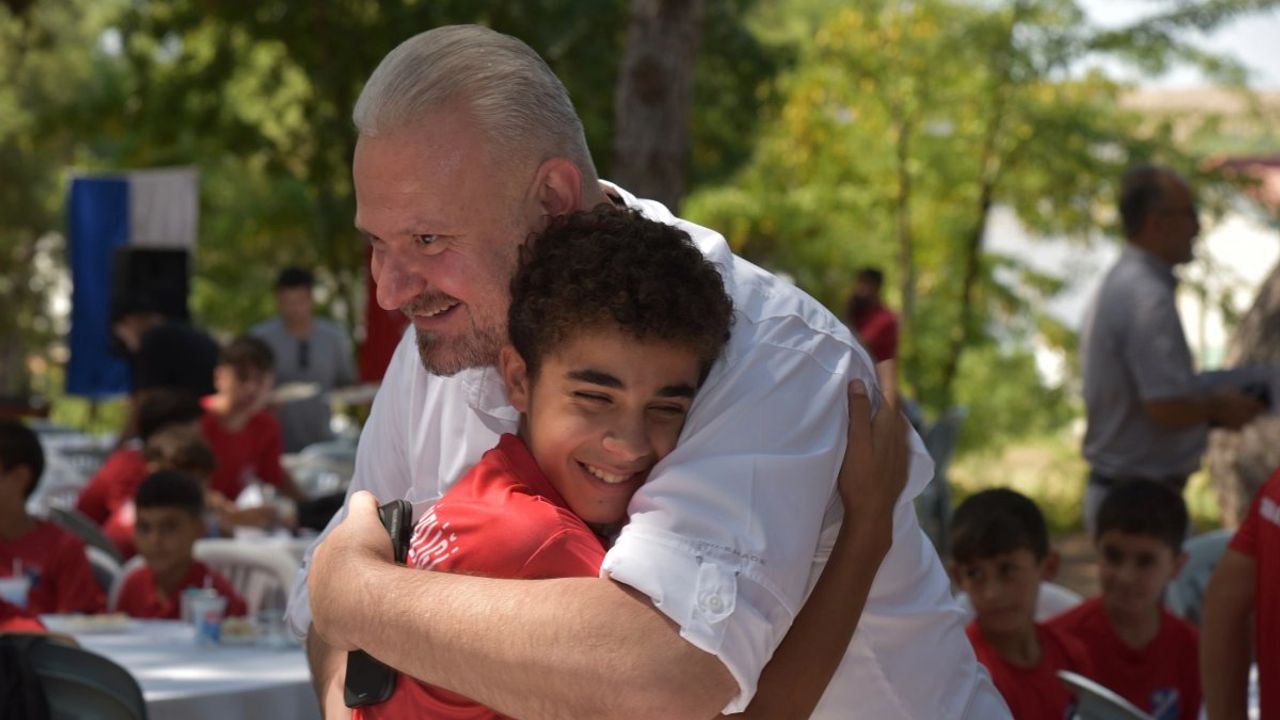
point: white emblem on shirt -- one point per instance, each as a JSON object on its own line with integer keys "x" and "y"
{"x": 432, "y": 542}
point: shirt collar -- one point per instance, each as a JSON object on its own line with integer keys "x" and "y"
{"x": 1162, "y": 270}
{"x": 520, "y": 459}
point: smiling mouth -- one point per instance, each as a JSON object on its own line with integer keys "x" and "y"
{"x": 607, "y": 477}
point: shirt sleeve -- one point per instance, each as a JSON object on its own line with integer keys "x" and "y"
{"x": 268, "y": 461}
{"x": 1156, "y": 352}
{"x": 1246, "y": 537}
{"x": 723, "y": 536}
{"x": 567, "y": 553}
{"x": 382, "y": 464}
{"x": 68, "y": 581}
{"x": 92, "y": 502}
{"x": 152, "y": 365}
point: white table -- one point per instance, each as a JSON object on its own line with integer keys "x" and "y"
{"x": 181, "y": 680}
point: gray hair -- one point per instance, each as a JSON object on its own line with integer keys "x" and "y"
{"x": 521, "y": 105}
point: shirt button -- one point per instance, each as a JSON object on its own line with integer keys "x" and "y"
{"x": 714, "y": 603}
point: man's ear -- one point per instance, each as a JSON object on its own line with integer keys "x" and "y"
{"x": 557, "y": 187}
{"x": 1049, "y": 568}
{"x": 515, "y": 377}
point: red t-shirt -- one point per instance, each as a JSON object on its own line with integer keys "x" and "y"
{"x": 61, "y": 578}
{"x": 113, "y": 485}
{"x": 1259, "y": 538}
{"x": 139, "y": 597}
{"x": 119, "y": 529}
{"x": 15, "y": 619}
{"x": 1035, "y": 693}
{"x": 877, "y": 328}
{"x": 254, "y": 449}
{"x": 502, "y": 519}
{"x": 1162, "y": 678}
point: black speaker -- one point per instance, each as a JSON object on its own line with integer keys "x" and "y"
{"x": 155, "y": 279}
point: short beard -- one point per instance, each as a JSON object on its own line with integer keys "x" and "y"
{"x": 479, "y": 348}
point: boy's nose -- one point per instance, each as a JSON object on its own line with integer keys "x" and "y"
{"x": 628, "y": 442}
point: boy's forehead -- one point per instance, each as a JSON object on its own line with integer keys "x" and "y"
{"x": 159, "y": 513}
{"x": 1118, "y": 540}
{"x": 1017, "y": 555}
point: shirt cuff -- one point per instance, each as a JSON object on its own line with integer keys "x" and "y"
{"x": 714, "y": 595}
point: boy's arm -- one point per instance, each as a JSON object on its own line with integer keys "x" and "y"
{"x": 871, "y": 478}
{"x": 1225, "y": 638}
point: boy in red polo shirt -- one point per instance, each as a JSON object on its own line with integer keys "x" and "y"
{"x": 1001, "y": 554}
{"x": 1143, "y": 652}
{"x": 1245, "y": 584}
{"x": 14, "y": 619}
{"x": 614, "y": 322}
{"x": 170, "y": 509}
{"x": 245, "y": 437}
{"x": 51, "y": 558}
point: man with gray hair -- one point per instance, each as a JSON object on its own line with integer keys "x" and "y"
{"x": 468, "y": 144}
{"x": 1147, "y": 418}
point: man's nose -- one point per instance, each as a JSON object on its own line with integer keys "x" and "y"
{"x": 398, "y": 282}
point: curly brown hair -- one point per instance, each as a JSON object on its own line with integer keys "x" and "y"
{"x": 615, "y": 268}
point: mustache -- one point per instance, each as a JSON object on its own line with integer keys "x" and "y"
{"x": 425, "y": 302}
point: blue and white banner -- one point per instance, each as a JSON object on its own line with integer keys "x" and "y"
{"x": 142, "y": 208}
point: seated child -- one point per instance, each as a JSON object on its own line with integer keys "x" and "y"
{"x": 184, "y": 450}
{"x": 1143, "y": 652}
{"x": 244, "y": 435}
{"x": 1245, "y": 585}
{"x": 170, "y": 518}
{"x": 615, "y": 321}
{"x": 51, "y": 558}
{"x": 113, "y": 486}
{"x": 1001, "y": 554}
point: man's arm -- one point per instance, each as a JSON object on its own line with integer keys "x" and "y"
{"x": 328, "y": 675}
{"x": 871, "y": 478}
{"x": 1229, "y": 409}
{"x": 1225, "y": 638}
{"x": 522, "y": 647}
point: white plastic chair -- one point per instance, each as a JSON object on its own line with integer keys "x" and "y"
{"x": 113, "y": 595}
{"x": 1096, "y": 702}
{"x": 1185, "y": 595}
{"x": 106, "y": 571}
{"x": 262, "y": 574}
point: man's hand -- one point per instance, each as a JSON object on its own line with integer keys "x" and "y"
{"x": 356, "y": 545}
{"x": 1233, "y": 409}
{"x": 873, "y": 473}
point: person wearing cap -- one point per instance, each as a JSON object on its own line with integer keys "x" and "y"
{"x": 308, "y": 350}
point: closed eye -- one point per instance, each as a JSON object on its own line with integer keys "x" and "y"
{"x": 595, "y": 398}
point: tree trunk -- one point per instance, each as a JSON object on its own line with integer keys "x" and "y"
{"x": 654, "y": 96}
{"x": 1239, "y": 463}
{"x": 906, "y": 251}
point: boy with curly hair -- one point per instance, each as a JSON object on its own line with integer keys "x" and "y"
{"x": 614, "y": 322}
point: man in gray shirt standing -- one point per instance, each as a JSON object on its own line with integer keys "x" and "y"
{"x": 307, "y": 350}
{"x": 1148, "y": 417}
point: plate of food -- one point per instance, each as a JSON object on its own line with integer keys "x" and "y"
{"x": 77, "y": 624}
{"x": 237, "y": 631}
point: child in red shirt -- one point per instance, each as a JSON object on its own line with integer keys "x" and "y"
{"x": 1000, "y": 547}
{"x": 245, "y": 437}
{"x": 1245, "y": 584}
{"x": 615, "y": 322}
{"x": 15, "y": 619}
{"x": 170, "y": 518}
{"x": 106, "y": 498}
{"x": 1143, "y": 652}
{"x": 51, "y": 558}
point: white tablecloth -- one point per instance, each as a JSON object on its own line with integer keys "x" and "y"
{"x": 181, "y": 680}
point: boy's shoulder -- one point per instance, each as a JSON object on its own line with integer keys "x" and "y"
{"x": 501, "y": 518}
{"x": 1063, "y": 650}
{"x": 1084, "y": 617}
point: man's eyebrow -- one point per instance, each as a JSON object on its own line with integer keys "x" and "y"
{"x": 596, "y": 377}
{"x": 680, "y": 390}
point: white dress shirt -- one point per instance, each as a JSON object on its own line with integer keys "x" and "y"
{"x": 734, "y": 526}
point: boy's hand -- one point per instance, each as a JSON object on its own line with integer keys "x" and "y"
{"x": 876, "y": 459}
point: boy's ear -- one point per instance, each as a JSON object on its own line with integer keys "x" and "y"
{"x": 515, "y": 377}
{"x": 1179, "y": 562}
{"x": 1049, "y": 567}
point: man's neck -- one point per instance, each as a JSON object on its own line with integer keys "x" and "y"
{"x": 14, "y": 521}
{"x": 1135, "y": 630}
{"x": 300, "y": 329}
{"x": 1020, "y": 648}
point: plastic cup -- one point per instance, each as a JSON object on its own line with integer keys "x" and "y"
{"x": 191, "y": 594}
{"x": 14, "y": 589}
{"x": 207, "y": 613}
